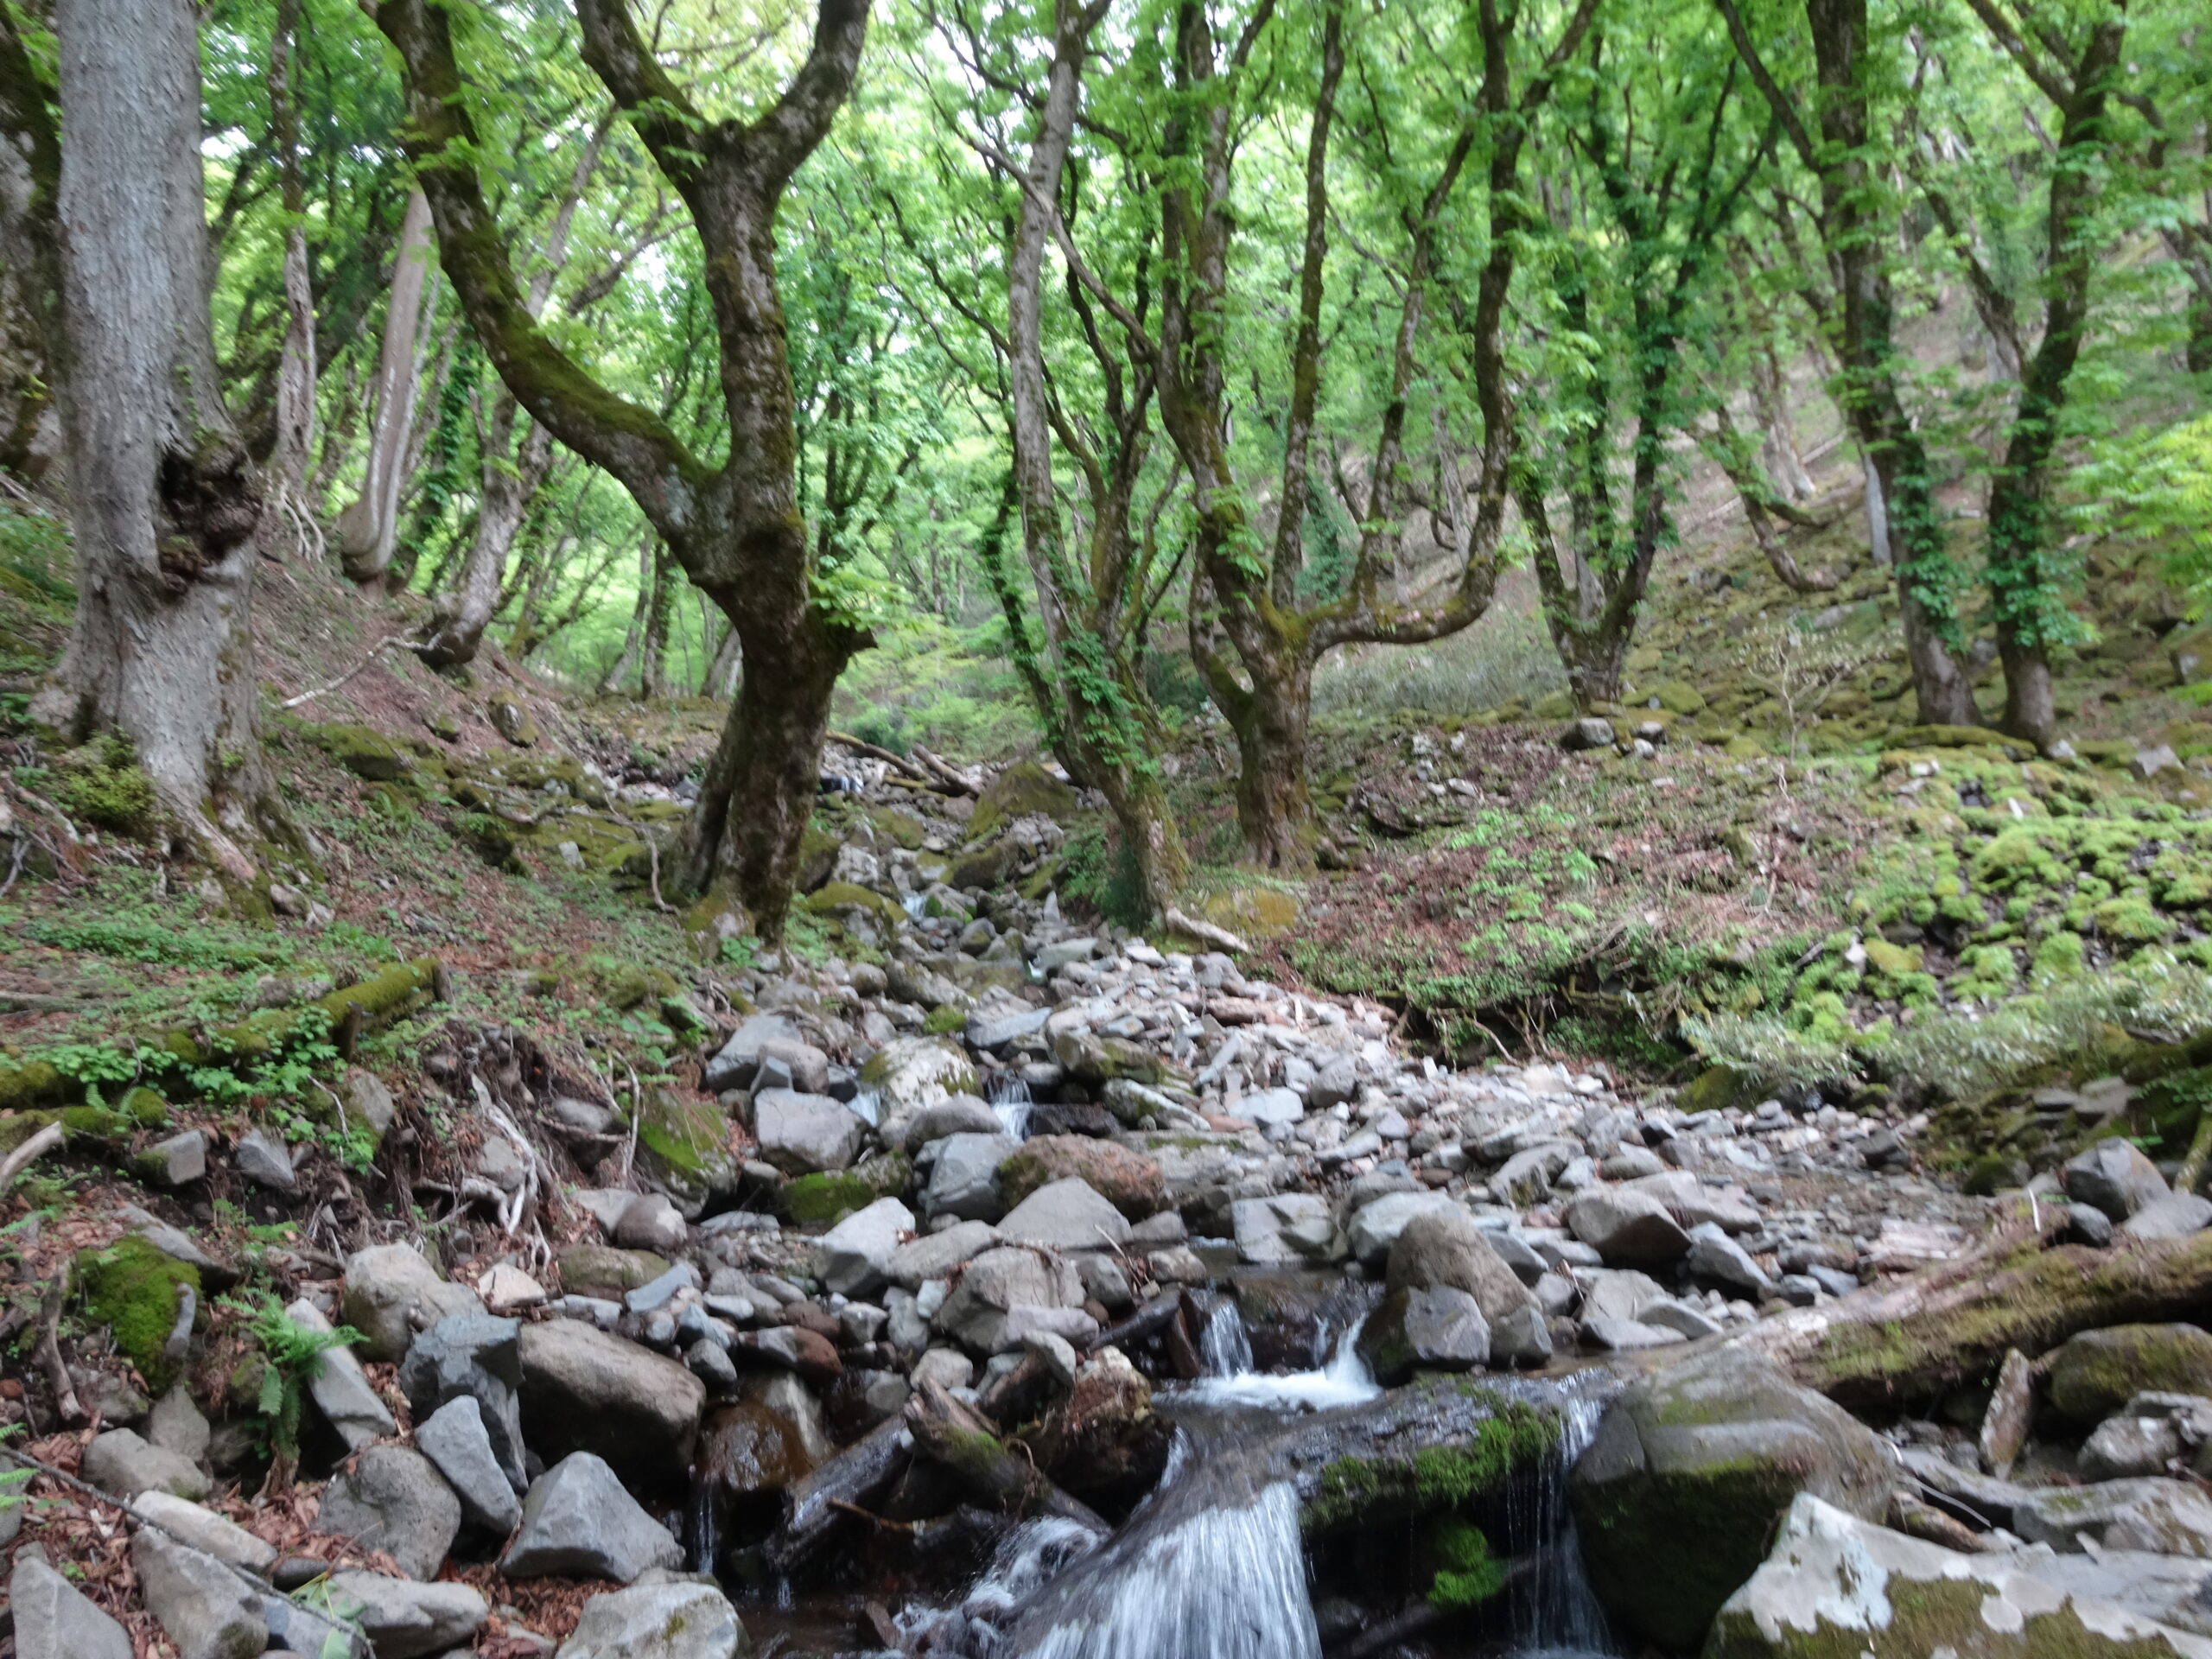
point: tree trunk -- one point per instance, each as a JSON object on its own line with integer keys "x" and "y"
{"x": 286, "y": 472}
{"x": 1273, "y": 806}
{"x": 611, "y": 681}
{"x": 1778, "y": 436}
{"x": 30, "y": 280}
{"x": 368, "y": 528}
{"x": 166, "y": 505}
{"x": 653, "y": 670}
{"x": 465, "y": 611}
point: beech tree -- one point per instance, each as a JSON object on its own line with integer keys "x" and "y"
{"x": 165, "y": 501}
{"x": 30, "y": 280}
{"x": 737, "y": 530}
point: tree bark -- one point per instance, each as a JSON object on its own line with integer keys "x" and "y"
{"x": 30, "y": 279}
{"x": 652, "y": 668}
{"x": 369, "y": 527}
{"x": 951, "y": 1435}
{"x": 465, "y": 610}
{"x": 166, "y": 504}
{"x": 285, "y": 471}
{"x": 619, "y": 669}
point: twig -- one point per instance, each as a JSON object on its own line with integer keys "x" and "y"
{"x": 16, "y": 864}
{"x": 49, "y": 1349}
{"x": 32, "y": 1002}
{"x": 652, "y": 850}
{"x": 399, "y": 638}
{"x": 33, "y": 1149}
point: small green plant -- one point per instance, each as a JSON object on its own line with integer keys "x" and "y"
{"x": 1466, "y": 1572}
{"x": 291, "y": 1357}
{"x": 101, "y": 782}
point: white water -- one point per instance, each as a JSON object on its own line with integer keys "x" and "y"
{"x": 1555, "y": 1612}
{"x": 1228, "y": 1583}
{"x": 1344, "y": 1380}
{"x": 1007, "y": 1093}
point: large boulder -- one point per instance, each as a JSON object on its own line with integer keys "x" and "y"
{"x": 1629, "y": 1229}
{"x": 1440, "y": 1255}
{"x": 341, "y": 1389}
{"x": 805, "y": 1134}
{"x": 1128, "y": 1180}
{"x": 965, "y": 1177}
{"x": 908, "y": 1073}
{"x": 981, "y": 1313}
{"x": 201, "y": 1606}
{"x": 454, "y": 1438}
{"x": 2114, "y": 1176}
{"x": 55, "y": 1620}
{"x": 1065, "y": 1216}
{"x": 854, "y": 1258}
{"x": 2096, "y": 1372}
{"x": 2168, "y": 1517}
{"x": 675, "y": 1620}
{"x": 584, "y": 1390}
{"x": 1691, "y": 1468}
{"x": 578, "y": 1522}
{"x": 478, "y": 1356}
{"x": 1374, "y": 1227}
{"x": 405, "y": 1620}
{"x": 394, "y": 1499}
{"x": 1836, "y": 1584}
{"x": 391, "y": 1293}
{"x": 1271, "y": 1232}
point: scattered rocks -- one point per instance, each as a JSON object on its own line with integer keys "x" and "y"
{"x": 201, "y": 1604}
{"x": 120, "y": 1462}
{"x": 685, "y": 1620}
{"x": 406, "y": 1620}
{"x": 453, "y": 1437}
{"x": 584, "y": 1390}
{"x": 391, "y": 1293}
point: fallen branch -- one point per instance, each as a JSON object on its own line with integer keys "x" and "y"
{"x": 652, "y": 850}
{"x": 945, "y": 772}
{"x": 950, "y": 1433}
{"x": 1184, "y": 923}
{"x": 49, "y": 1348}
{"x": 32, "y": 1002}
{"x": 875, "y": 751}
{"x": 374, "y": 650}
{"x": 32, "y": 1150}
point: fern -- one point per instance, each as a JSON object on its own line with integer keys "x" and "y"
{"x": 291, "y": 1356}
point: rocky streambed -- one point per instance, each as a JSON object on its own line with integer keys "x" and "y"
{"x": 1035, "y": 1290}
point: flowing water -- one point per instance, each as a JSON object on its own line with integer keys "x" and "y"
{"x": 1343, "y": 1380}
{"x": 1007, "y": 1093}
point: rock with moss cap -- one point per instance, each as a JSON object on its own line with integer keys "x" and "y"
{"x": 364, "y": 752}
{"x": 2096, "y": 1372}
{"x": 1018, "y": 791}
{"x": 1128, "y": 1180}
{"x": 136, "y": 1290}
{"x": 684, "y": 1150}
{"x": 1691, "y": 1468}
{"x": 909, "y": 1073}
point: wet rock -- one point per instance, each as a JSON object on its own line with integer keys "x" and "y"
{"x": 1691, "y": 1469}
{"x": 805, "y": 1134}
{"x": 1373, "y": 1228}
{"x": 1262, "y": 1226}
{"x": 2175, "y": 1216}
{"x": 964, "y": 1179}
{"x": 1606, "y": 1334}
{"x": 394, "y": 1499}
{"x": 578, "y": 1521}
{"x": 1066, "y": 1214}
{"x": 2169, "y": 1518}
{"x": 854, "y": 1258}
{"x": 2113, "y": 1176}
{"x": 957, "y": 1115}
{"x": 341, "y": 1389}
{"x": 202, "y": 1605}
{"x": 583, "y": 1390}
{"x": 454, "y": 1438}
{"x": 793, "y": 1348}
{"x": 1838, "y": 1584}
{"x": 391, "y": 1293}
{"x": 54, "y": 1620}
{"x": 685, "y": 1620}
{"x": 1128, "y": 1180}
{"x": 477, "y": 1355}
{"x": 205, "y": 1531}
{"x": 938, "y": 1255}
{"x": 1627, "y": 1228}
{"x": 2097, "y": 1372}
{"x": 119, "y": 1462}
{"x": 405, "y": 1620}
{"x": 1522, "y": 1338}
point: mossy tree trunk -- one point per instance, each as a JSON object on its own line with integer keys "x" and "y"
{"x": 166, "y": 503}
{"x": 736, "y": 530}
{"x": 30, "y": 280}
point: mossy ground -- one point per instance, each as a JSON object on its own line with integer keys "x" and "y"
{"x": 131, "y": 1287}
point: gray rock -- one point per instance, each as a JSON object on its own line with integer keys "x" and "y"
{"x": 1373, "y": 1228}
{"x": 649, "y": 1222}
{"x": 964, "y": 1179}
{"x": 295, "y": 1627}
{"x": 454, "y": 1438}
{"x": 2113, "y": 1176}
{"x": 341, "y": 1389}
{"x": 998, "y": 1281}
{"x": 938, "y": 1255}
{"x": 1836, "y": 1583}
{"x": 2173, "y": 1590}
{"x": 2126, "y": 1447}
{"x": 1445, "y": 1330}
{"x": 1691, "y": 1468}
{"x": 205, "y": 1531}
{"x": 735, "y": 1062}
{"x": 1058, "y": 954}
{"x": 202, "y": 1605}
{"x": 946, "y": 1367}
{"x": 1334, "y": 1085}
{"x": 2170, "y": 1518}
{"x": 404, "y": 1620}
{"x": 957, "y": 1115}
{"x": 263, "y": 1160}
{"x": 391, "y": 1293}
{"x": 1262, "y": 1225}
{"x": 1684, "y": 1321}
{"x": 1517, "y": 1254}
{"x": 805, "y": 1134}
{"x": 2175, "y": 1216}
{"x": 1267, "y": 1107}
{"x": 1525, "y": 1178}
{"x": 1627, "y": 1228}
{"x": 687, "y": 1620}
{"x": 1104, "y": 1282}
{"x": 579, "y": 1521}
{"x": 394, "y": 1499}
{"x": 1066, "y": 1214}
{"x": 177, "y": 1161}
{"x": 176, "y": 1425}
{"x": 584, "y": 1390}
{"x": 2088, "y": 1224}
{"x": 368, "y": 1103}
{"x": 122, "y": 1464}
{"x": 1631, "y": 1163}
{"x": 661, "y": 1290}
{"x": 1522, "y": 1337}
{"x": 1692, "y": 1204}
{"x": 477, "y": 1355}
{"x": 854, "y": 1258}
{"x": 709, "y": 1362}
{"x": 993, "y": 1032}
{"x": 1586, "y": 734}
{"x": 1604, "y": 1333}
{"x": 1716, "y": 1259}
{"x": 54, "y": 1620}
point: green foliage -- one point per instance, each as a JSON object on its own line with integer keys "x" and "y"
{"x": 133, "y": 1289}
{"x": 291, "y": 1358}
{"x": 1466, "y": 1573}
{"x": 1098, "y": 871}
{"x": 101, "y": 782}
{"x": 2154, "y": 487}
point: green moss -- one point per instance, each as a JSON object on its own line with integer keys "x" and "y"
{"x": 1466, "y": 1573}
{"x": 945, "y": 1020}
{"x": 816, "y": 1200}
{"x": 363, "y": 752}
{"x": 1020, "y": 790}
{"x": 1943, "y": 1616}
{"x": 839, "y": 895}
{"x": 131, "y": 1287}
{"x": 2130, "y": 920}
{"x": 1356, "y": 1491}
{"x": 101, "y": 782}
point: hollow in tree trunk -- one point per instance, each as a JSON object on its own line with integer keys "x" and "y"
{"x": 166, "y": 504}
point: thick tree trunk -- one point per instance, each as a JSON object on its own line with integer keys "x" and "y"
{"x": 30, "y": 282}
{"x": 285, "y": 475}
{"x": 1778, "y": 435}
{"x": 166, "y": 504}
{"x": 465, "y": 610}
{"x": 1275, "y": 808}
{"x": 368, "y": 528}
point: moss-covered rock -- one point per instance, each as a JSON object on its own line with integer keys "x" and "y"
{"x": 2097, "y": 1372}
{"x": 511, "y": 719}
{"x": 366, "y": 753}
{"x": 103, "y": 783}
{"x": 820, "y": 1200}
{"x": 835, "y": 896}
{"x": 1128, "y": 1180}
{"x": 1387, "y": 1487}
{"x": 602, "y": 1270}
{"x": 132, "y": 1288}
{"x": 1020, "y": 789}
{"x": 1716, "y": 1089}
{"x": 683, "y": 1149}
{"x": 818, "y": 856}
{"x": 1252, "y": 911}
{"x": 1679, "y": 697}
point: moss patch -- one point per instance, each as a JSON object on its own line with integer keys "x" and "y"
{"x": 131, "y": 1287}
{"x": 1365, "y": 1490}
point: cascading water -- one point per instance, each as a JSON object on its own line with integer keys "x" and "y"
{"x": 1555, "y": 1613}
{"x": 1229, "y": 1379}
{"x": 1007, "y": 1093}
{"x": 1223, "y": 1346}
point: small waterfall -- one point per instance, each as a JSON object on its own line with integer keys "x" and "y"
{"x": 1007, "y": 1093}
{"x": 1555, "y": 1613}
{"x": 914, "y": 904}
{"x": 1026, "y": 1559}
{"x": 866, "y": 1105}
{"x": 1223, "y": 1347}
{"x": 1226, "y": 1583}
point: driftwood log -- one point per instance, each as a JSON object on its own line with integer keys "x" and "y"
{"x": 960, "y": 1439}
{"x": 850, "y": 1481}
